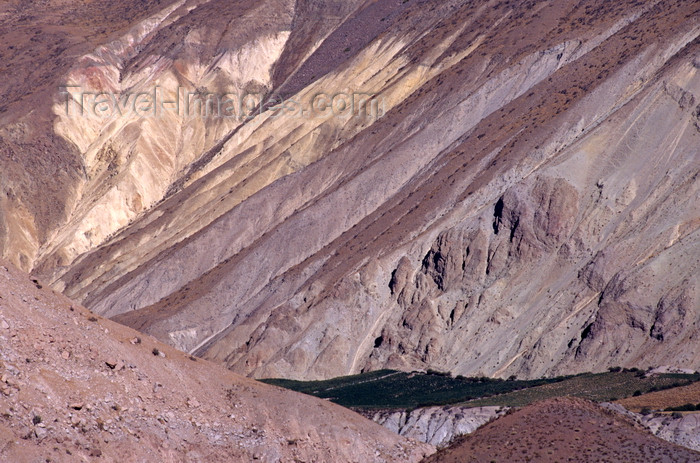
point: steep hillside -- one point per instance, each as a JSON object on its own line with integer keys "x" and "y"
{"x": 519, "y": 197}
{"x": 563, "y": 430}
{"x": 75, "y": 387}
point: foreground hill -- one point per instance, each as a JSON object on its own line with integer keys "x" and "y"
{"x": 563, "y": 429}
{"x": 76, "y": 387}
{"x": 526, "y": 201}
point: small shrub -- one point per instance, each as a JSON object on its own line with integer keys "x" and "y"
{"x": 155, "y": 351}
{"x": 637, "y": 393}
{"x": 36, "y": 419}
{"x": 684, "y": 408}
{"x": 437, "y": 373}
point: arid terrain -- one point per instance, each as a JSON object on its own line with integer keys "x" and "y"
{"x": 488, "y": 219}
{"x": 76, "y": 387}
{"x": 308, "y": 189}
{"x": 562, "y": 430}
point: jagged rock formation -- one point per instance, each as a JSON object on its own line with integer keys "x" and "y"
{"x": 683, "y": 431}
{"x": 437, "y": 426}
{"x": 525, "y": 202}
{"x": 76, "y": 387}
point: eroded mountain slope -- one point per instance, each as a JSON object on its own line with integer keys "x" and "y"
{"x": 76, "y": 387}
{"x": 525, "y": 203}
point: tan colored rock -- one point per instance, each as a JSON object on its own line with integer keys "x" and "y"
{"x": 193, "y": 403}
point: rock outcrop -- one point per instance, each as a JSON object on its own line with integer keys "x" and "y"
{"x": 437, "y": 426}
{"x": 684, "y": 430}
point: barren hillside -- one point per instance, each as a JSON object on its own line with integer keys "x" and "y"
{"x": 563, "y": 430}
{"x": 76, "y": 387}
{"x": 524, "y": 199}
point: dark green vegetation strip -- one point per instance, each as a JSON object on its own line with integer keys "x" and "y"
{"x": 600, "y": 387}
{"x": 389, "y": 389}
